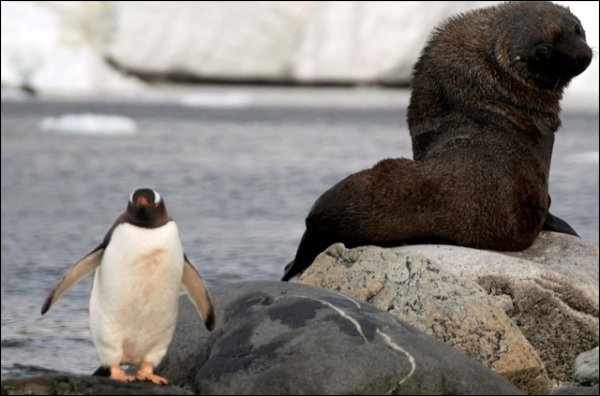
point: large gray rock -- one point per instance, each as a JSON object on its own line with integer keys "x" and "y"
{"x": 549, "y": 290}
{"x": 282, "y": 338}
{"x": 586, "y": 368}
{"x": 574, "y": 389}
{"x": 585, "y": 376}
{"x": 455, "y": 310}
{"x": 83, "y": 385}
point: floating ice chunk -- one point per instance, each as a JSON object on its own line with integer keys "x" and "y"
{"x": 231, "y": 99}
{"x": 89, "y": 124}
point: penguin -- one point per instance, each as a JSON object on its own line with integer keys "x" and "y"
{"x": 139, "y": 267}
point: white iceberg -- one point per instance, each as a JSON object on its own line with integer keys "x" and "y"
{"x": 52, "y": 48}
{"x": 62, "y": 47}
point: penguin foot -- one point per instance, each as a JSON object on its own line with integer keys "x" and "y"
{"x": 146, "y": 373}
{"x": 118, "y": 375}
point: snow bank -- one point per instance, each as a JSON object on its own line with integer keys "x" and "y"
{"x": 62, "y": 47}
{"x": 236, "y": 40}
{"x": 89, "y": 124}
{"x": 369, "y": 40}
{"x": 53, "y": 48}
{"x": 291, "y": 41}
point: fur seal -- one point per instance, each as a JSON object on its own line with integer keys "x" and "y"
{"x": 430, "y": 121}
{"x": 483, "y": 112}
{"x": 139, "y": 268}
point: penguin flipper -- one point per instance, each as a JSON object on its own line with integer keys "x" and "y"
{"x": 80, "y": 270}
{"x": 198, "y": 293}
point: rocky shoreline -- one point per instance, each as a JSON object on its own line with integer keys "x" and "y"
{"x": 525, "y": 315}
{"x": 409, "y": 320}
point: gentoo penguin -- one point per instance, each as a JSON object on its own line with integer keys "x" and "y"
{"x": 139, "y": 267}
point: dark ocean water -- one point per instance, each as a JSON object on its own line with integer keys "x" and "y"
{"x": 237, "y": 180}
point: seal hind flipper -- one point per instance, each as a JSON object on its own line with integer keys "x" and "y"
{"x": 315, "y": 242}
{"x": 198, "y": 293}
{"x": 80, "y": 270}
{"x": 311, "y": 245}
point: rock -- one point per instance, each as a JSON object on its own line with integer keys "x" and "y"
{"x": 191, "y": 344}
{"x": 282, "y": 338}
{"x": 585, "y": 376}
{"x": 586, "y": 368}
{"x": 550, "y": 291}
{"x": 83, "y": 385}
{"x": 455, "y": 310}
{"x": 574, "y": 389}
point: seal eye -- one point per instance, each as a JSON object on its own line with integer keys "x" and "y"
{"x": 577, "y": 30}
{"x": 542, "y": 54}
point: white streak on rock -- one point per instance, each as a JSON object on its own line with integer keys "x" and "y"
{"x": 349, "y": 299}
{"x": 388, "y": 340}
{"x": 398, "y": 348}
{"x": 338, "y": 310}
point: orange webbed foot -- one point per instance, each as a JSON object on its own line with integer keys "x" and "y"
{"x": 118, "y": 375}
{"x": 146, "y": 373}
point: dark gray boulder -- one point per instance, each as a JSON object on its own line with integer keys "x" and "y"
{"x": 586, "y": 368}
{"x": 83, "y": 385}
{"x": 575, "y": 389}
{"x": 283, "y": 338}
{"x": 585, "y": 376}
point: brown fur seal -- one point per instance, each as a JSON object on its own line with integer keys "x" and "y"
{"x": 483, "y": 111}
{"x": 430, "y": 123}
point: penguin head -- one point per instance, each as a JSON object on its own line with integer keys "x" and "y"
{"x": 147, "y": 208}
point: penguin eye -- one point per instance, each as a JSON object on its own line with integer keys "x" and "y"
{"x": 156, "y": 197}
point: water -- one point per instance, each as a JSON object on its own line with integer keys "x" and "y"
{"x": 238, "y": 180}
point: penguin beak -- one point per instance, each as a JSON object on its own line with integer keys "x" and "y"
{"x": 143, "y": 202}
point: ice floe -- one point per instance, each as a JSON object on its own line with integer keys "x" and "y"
{"x": 89, "y": 124}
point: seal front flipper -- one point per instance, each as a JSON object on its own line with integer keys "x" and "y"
{"x": 198, "y": 293}
{"x": 79, "y": 271}
{"x": 556, "y": 224}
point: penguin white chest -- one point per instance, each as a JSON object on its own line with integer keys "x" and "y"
{"x": 134, "y": 299}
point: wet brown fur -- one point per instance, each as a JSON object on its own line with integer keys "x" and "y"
{"x": 483, "y": 112}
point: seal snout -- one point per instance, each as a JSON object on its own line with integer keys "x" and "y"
{"x": 573, "y": 61}
{"x": 583, "y": 60}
